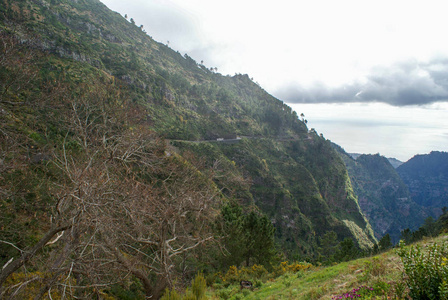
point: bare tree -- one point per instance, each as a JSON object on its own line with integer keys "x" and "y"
{"x": 120, "y": 204}
{"x": 163, "y": 224}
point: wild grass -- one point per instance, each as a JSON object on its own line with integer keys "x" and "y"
{"x": 375, "y": 277}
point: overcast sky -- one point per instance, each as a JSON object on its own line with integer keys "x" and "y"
{"x": 338, "y": 62}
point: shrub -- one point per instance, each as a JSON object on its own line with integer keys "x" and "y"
{"x": 287, "y": 281}
{"x": 359, "y": 292}
{"x": 426, "y": 271}
{"x": 189, "y": 296}
{"x": 197, "y": 291}
{"x": 235, "y": 275}
{"x": 258, "y": 271}
{"x": 171, "y": 295}
{"x": 224, "y": 294}
{"x": 380, "y": 288}
{"x": 294, "y": 267}
{"x": 374, "y": 268}
{"x": 245, "y": 292}
{"x": 198, "y": 286}
{"x": 29, "y": 290}
{"x": 400, "y": 291}
{"x": 232, "y": 275}
{"x": 258, "y": 283}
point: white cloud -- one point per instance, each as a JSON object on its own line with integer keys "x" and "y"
{"x": 324, "y": 50}
{"x": 399, "y": 132}
{"x": 332, "y": 42}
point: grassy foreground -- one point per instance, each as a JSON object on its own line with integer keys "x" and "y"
{"x": 378, "y": 277}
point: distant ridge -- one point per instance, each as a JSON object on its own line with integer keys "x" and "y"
{"x": 393, "y": 161}
{"x": 426, "y": 175}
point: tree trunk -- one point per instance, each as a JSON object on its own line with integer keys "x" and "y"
{"x": 27, "y": 255}
{"x": 160, "y": 286}
{"x": 136, "y": 272}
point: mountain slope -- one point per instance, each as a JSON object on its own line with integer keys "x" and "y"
{"x": 302, "y": 185}
{"x": 383, "y": 196}
{"x": 185, "y": 100}
{"x": 427, "y": 178}
{"x": 114, "y": 136}
{"x": 188, "y": 100}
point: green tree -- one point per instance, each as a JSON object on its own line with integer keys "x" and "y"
{"x": 329, "y": 246}
{"x": 347, "y": 250}
{"x": 231, "y": 230}
{"x": 259, "y": 239}
{"x": 442, "y": 222}
{"x": 406, "y": 236}
{"x": 385, "y": 243}
{"x": 430, "y": 226}
{"x": 247, "y": 238}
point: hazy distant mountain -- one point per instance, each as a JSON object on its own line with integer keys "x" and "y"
{"x": 393, "y": 161}
{"x": 354, "y": 155}
{"x": 427, "y": 178}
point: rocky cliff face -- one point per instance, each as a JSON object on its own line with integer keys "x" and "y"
{"x": 383, "y": 196}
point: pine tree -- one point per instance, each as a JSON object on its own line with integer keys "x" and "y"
{"x": 248, "y": 237}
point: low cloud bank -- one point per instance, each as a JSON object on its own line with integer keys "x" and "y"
{"x": 405, "y": 83}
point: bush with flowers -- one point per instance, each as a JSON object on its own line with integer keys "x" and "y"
{"x": 294, "y": 267}
{"x": 234, "y": 274}
{"x": 259, "y": 272}
{"x": 360, "y": 292}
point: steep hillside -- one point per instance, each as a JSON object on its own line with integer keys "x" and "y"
{"x": 427, "y": 179}
{"x": 383, "y": 197}
{"x": 301, "y": 184}
{"x": 111, "y": 171}
{"x": 186, "y": 101}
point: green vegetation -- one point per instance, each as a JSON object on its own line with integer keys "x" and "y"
{"x": 113, "y": 184}
{"x": 426, "y": 270}
{"x": 383, "y": 196}
{"x": 290, "y": 185}
{"x": 430, "y": 228}
{"x": 426, "y": 176}
{"x": 416, "y": 271}
{"x": 376, "y": 277}
{"x": 182, "y": 100}
{"x": 247, "y": 238}
{"x": 319, "y": 282}
{"x": 195, "y": 292}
